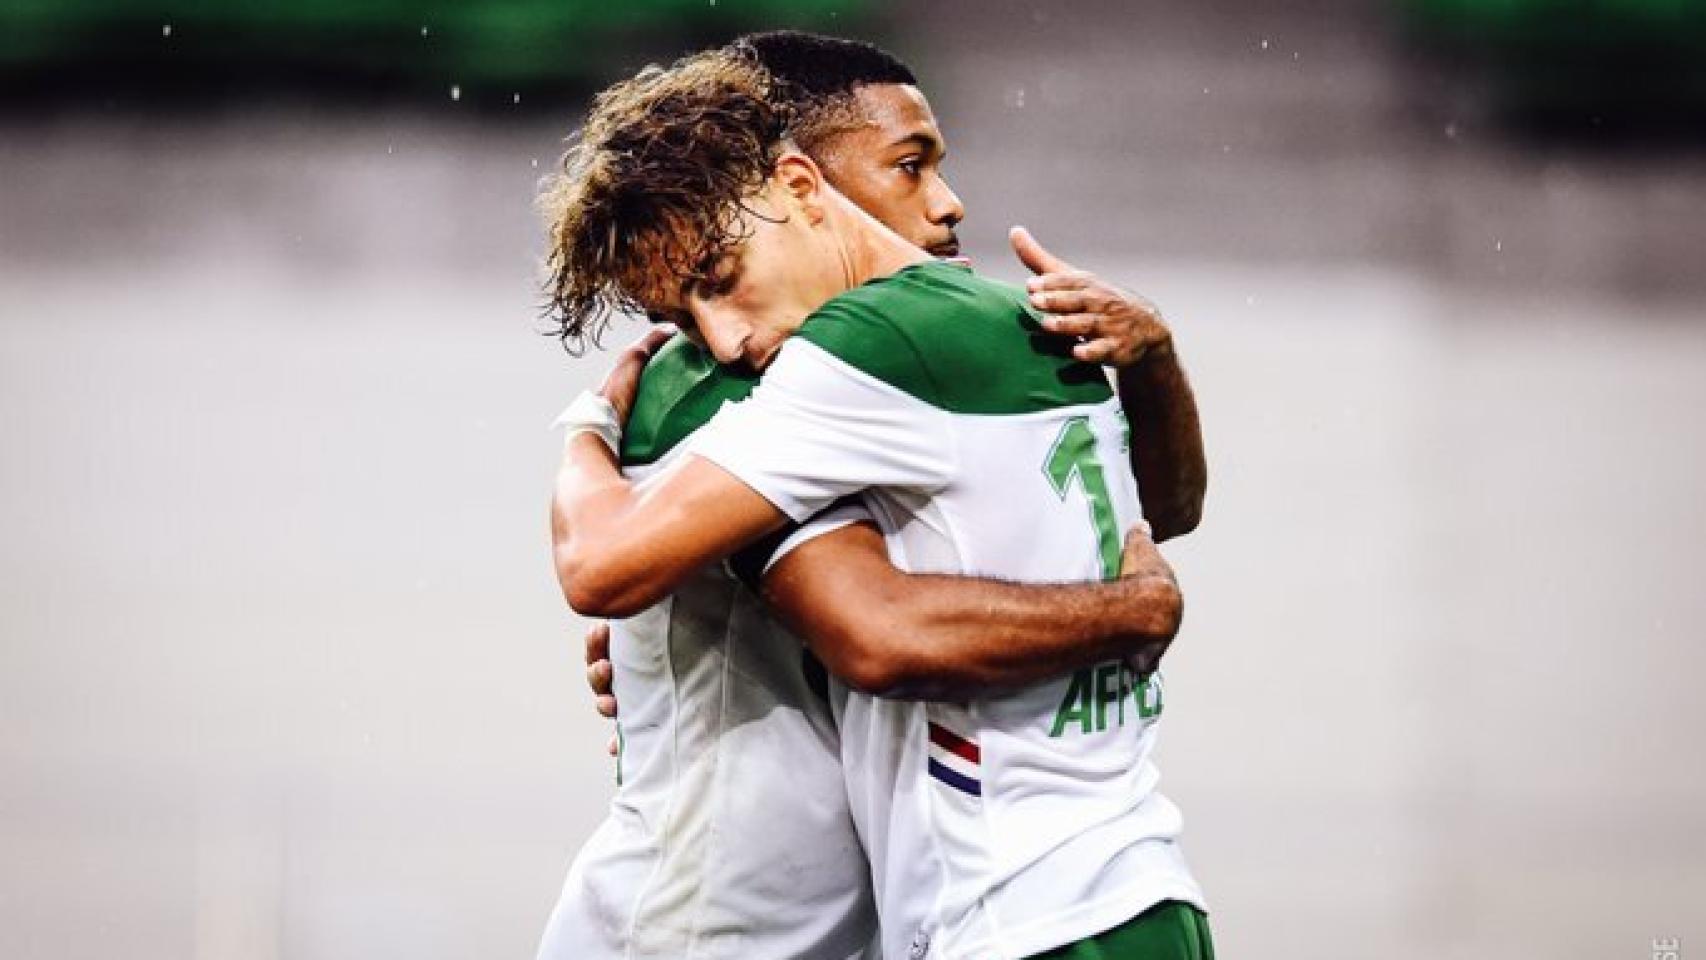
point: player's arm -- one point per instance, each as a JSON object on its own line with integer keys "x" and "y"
{"x": 619, "y": 546}
{"x": 896, "y": 634}
{"x": 1166, "y": 446}
{"x": 1125, "y": 331}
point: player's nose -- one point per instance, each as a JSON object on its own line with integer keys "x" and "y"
{"x": 724, "y": 335}
{"x": 945, "y": 206}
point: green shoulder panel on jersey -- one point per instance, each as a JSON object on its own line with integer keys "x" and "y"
{"x": 955, "y": 340}
{"x": 681, "y": 389}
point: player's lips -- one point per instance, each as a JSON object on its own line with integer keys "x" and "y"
{"x": 946, "y": 250}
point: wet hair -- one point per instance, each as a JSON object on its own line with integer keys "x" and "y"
{"x": 651, "y": 192}
{"x": 816, "y": 78}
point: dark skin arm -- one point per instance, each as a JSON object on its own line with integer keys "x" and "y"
{"x": 890, "y": 633}
{"x": 897, "y": 634}
{"x": 1166, "y": 449}
{"x": 1125, "y": 331}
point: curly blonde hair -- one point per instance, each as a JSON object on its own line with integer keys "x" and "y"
{"x": 651, "y": 190}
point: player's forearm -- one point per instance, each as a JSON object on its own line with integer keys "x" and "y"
{"x": 964, "y": 636}
{"x": 620, "y": 547}
{"x": 944, "y": 637}
{"x": 1166, "y": 442}
{"x": 596, "y": 564}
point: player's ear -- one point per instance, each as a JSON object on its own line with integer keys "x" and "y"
{"x": 802, "y": 182}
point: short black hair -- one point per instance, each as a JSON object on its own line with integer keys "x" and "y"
{"x": 814, "y": 77}
{"x": 823, "y": 66}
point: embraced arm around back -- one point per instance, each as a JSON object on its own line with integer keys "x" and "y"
{"x": 937, "y": 637}
{"x": 621, "y": 546}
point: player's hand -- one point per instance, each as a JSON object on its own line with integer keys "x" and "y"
{"x": 601, "y": 674}
{"x": 1142, "y": 559}
{"x": 623, "y": 381}
{"x": 1116, "y": 327}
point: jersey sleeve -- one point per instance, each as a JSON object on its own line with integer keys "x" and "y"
{"x": 843, "y": 514}
{"x": 752, "y": 562}
{"x": 817, "y": 429}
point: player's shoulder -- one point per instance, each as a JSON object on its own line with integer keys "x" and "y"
{"x": 680, "y": 391}
{"x": 955, "y": 340}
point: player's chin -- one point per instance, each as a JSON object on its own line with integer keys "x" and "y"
{"x": 949, "y": 253}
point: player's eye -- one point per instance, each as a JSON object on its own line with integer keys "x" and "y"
{"x": 680, "y": 319}
{"x": 718, "y": 281}
{"x": 912, "y": 166}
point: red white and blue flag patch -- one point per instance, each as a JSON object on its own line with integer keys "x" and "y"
{"x": 955, "y": 761}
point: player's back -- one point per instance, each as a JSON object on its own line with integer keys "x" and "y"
{"x": 729, "y": 835}
{"x": 1012, "y": 824}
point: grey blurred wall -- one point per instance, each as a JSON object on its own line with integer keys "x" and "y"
{"x": 283, "y": 668}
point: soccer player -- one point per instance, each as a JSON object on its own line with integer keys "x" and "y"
{"x": 786, "y": 877}
{"x": 1011, "y": 825}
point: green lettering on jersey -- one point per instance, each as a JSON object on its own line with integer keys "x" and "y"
{"x": 1093, "y": 689}
{"x": 1074, "y": 455}
{"x": 1149, "y": 698}
{"x": 1075, "y": 706}
{"x": 1106, "y": 693}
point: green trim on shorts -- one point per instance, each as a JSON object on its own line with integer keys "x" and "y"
{"x": 1170, "y": 930}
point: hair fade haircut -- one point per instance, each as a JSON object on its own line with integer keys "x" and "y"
{"x": 652, "y": 188}
{"x": 816, "y": 77}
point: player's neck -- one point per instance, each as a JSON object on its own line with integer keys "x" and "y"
{"x": 870, "y": 250}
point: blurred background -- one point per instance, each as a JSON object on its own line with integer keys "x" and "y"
{"x": 284, "y": 672}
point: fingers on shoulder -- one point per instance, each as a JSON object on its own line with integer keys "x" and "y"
{"x": 1060, "y": 280}
{"x": 1073, "y": 324}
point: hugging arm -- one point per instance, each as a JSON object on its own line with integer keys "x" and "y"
{"x": 1126, "y": 331}
{"x": 1166, "y": 441}
{"x": 897, "y": 634}
{"x": 619, "y": 547}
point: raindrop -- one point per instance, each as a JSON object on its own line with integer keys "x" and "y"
{"x": 390, "y": 148}
{"x": 423, "y": 30}
{"x": 1451, "y": 131}
{"x": 515, "y": 99}
{"x": 1264, "y": 44}
{"x": 165, "y": 30}
{"x": 536, "y": 163}
{"x": 1498, "y": 246}
{"x": 455, "y": 91}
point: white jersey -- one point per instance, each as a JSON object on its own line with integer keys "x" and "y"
{"x": 1009, "y": 825}
{"x": 729, "y": 837}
